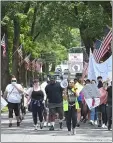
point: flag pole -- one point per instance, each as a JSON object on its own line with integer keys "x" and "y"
{"x": 16, "y": 50}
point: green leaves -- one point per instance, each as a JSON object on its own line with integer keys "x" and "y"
{"x": 55, "y": 26}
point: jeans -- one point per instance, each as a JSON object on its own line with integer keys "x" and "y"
{"x": 71, "y": 115}
{"x": 92, "y": 114}
{"x": 96, "y": 114}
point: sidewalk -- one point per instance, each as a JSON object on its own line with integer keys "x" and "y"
{"x": 26, "y": 133}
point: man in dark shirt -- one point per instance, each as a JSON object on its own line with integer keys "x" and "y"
{"x": 55, "y": 101}
{"x": 109, "y": 106}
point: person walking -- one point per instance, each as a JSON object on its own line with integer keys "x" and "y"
{"x": 101, "y": 109}
{"x": 85, "y": 109}
{"x": 93, "y": 113}
{"x": 109, "y": 106}
{"x": 71, "y": 112}
{"x": 45, "y": 112}
{"x": 36, "y": 103}
{"x": 55, "y": 101}
{"x": 13, "y": 94}
{"x": 78, "y": 87}
{"x": 22, "y": 107}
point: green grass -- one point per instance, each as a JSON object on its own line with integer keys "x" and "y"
{"x": 5, "y": 109}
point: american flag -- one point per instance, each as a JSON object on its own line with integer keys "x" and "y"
{"x": 85, "y": 70}
{"x": 33, "y": 65}
{"x": 101, "y": 48}
{"x": 3, "y": 44}
{"x": 38, "y": 66}
{"x": 20, "y": 51}
{"x": 27, "y": 62}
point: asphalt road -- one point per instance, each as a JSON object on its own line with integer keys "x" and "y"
{"x": 26, "y": 132}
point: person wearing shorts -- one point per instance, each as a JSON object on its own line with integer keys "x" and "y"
{"x": 13, "y": 94}
{"x": 55, "y": 101}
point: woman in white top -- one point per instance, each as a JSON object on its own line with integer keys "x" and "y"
{"x": 13, "y": 94}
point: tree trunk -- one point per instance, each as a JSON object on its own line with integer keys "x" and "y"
{"x": 47, "y": 68}
{"x": 23, "y": 74}
{"x": 86, "y": 41}
{"x": 5, "y": 78}
{"x": 53, "y": 67}
{"x": 15, "y": 65}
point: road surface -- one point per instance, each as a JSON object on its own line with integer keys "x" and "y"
{"x": 26, "y": 132}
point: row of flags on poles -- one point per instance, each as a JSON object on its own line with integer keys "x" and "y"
{"x": 34, "y": 65}
{"x": 101, "y": 48}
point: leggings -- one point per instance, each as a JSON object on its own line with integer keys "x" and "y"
{"x": 37, "y": 111}
{"x": 13, "y": 107}
{"x": 102, "y": 109}
{"x": 109, "y": 114}
{"x": 71, "y": 115}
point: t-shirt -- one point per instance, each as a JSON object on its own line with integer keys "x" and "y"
{"x": 54, "y": 93}
{"x": 13, "y": 95}
{"x": 71, "y": 95}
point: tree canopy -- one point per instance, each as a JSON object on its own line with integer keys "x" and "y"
{"x": 48, "y": 29}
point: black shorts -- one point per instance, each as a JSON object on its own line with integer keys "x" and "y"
{"x": 15, "y": 107}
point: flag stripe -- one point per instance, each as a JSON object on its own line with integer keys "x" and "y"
{"x": 3, "y": 44}
{"x": 104, "y": 48}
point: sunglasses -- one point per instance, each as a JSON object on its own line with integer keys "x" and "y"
{"x": 35, "y": 82}
{"x": 13, "y": 80}
{"x": 71, "y": 82}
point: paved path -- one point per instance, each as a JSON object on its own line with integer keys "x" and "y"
{"x": 26, "y": 133}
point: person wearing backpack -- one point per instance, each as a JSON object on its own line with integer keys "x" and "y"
{"x": 13, "y": 95}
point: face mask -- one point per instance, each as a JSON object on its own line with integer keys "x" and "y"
{"x": 13, "y": 81}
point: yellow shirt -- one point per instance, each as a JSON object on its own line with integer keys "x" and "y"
{"x": 78, "y": 88}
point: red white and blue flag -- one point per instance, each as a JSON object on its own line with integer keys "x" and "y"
{"x": 27, "y": 62}
{"x": 20, "y": 51}
{"x": 102, "y": 47}
{"x": 3, "y": 44}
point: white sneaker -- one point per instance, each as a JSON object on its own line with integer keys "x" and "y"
{"x": 41, "y": 125}
{"x": 96, "y": 123}
{"x": 36, "y": 127}
{"x": 69, "y": 133}
{"x": 104, "y": 126}
{"x": 45, "y": 124}
{"x": 73, "y": 131}
{"x": 49, "y": 124}
{"x": 91, "y": 122}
